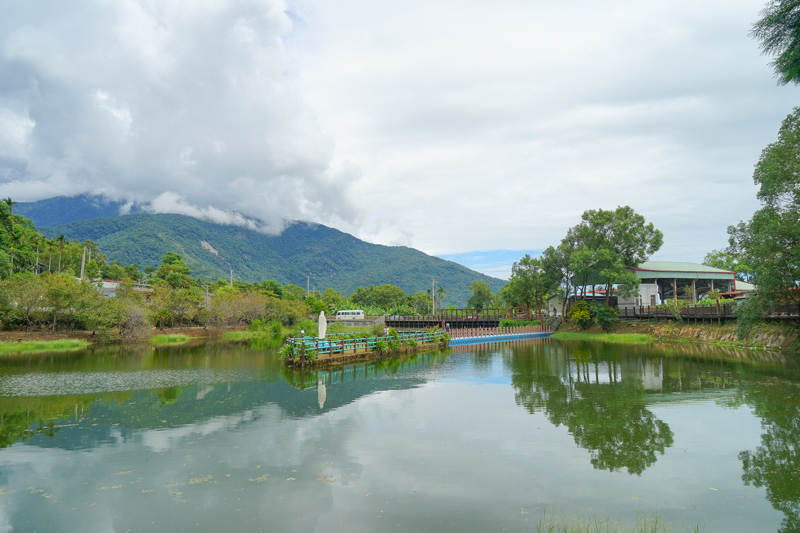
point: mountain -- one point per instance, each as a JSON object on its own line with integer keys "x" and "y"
{"x": 64, "y": 210}
{"x": 323, "y": 256}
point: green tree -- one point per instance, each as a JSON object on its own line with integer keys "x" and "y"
{"x": 733, "y": 257}
{"x": 771, "y": 239}
{"x": 294, "y": 293}
{"x": 481, "y": 295}
{"x": 174, "y": 271}
{"x": 779, "y": 33}
{"x": 381, "y": 296}
{"x": 609, "y": 241}
{"x": 5, "y": 265}
{"x": 529, "y": 284}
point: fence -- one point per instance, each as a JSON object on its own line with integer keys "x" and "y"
{"x": 651, "y": 311}
{"x": 343, "y": 345}
{"x": 786, "y": 310}
{"x": 494, "y": 332}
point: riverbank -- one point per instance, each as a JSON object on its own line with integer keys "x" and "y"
{"x": 764, "y": 336}
{"x": 55, "y": 341}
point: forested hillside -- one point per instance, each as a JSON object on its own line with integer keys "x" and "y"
{"x": 324, "y": 256}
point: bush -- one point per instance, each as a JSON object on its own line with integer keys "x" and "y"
{"x": 579, "y": 314}
{"x": 604, "y": 315}
{"x": 511, "y": 323}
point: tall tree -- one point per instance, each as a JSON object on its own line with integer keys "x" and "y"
{"x": 779, "y": 33}
{"x": 771, "y": 239}
{"x": 481, "y": 297}
{"x": 618, "y": 239}
{"x": 529, "y": 285}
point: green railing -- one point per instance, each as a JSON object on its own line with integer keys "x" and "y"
{"x": 342, "y": 344}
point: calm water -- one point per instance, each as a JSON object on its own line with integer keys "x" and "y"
{"x": 489, "y": 438}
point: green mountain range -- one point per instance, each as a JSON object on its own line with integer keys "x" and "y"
{"x": 304, "y": 253}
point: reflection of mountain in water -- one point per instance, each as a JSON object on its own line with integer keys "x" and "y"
{"x": 86, "y": 420}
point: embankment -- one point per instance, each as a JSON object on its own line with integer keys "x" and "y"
{"x": 771, "y": 336}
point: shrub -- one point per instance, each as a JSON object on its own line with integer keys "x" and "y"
{"x": 579, "y": 314}
{"x": 604, "y": 315}
{"x": 287, "y": 352}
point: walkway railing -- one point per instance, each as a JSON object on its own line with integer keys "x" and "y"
{"x": 493, "y": 332}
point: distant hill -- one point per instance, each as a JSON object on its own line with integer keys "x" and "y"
{"x": 325, "y": 256}
{"x": 64, "y": 210}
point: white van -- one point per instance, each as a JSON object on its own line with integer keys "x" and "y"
{"x": 350, "y": 314}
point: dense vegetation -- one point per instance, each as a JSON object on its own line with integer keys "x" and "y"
{"x": 304, "y": 254}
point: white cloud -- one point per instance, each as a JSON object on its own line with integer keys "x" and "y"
{"x": 184, "y": 99}
{"x": 445, "y": 125}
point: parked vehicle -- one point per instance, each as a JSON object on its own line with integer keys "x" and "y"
{"x": 350, "y": 314}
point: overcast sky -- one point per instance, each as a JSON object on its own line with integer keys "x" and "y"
{"x": 462, "y": 128}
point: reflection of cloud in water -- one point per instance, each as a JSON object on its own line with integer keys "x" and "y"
{"x": 64, "y": 383}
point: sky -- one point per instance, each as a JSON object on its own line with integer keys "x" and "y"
{"x": 475, "y": 131}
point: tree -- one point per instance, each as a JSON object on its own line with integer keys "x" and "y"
{"x": 294, "y": 293}
{"x": 10, "y": 205}
{"x": 382, "y": 296}
{"x": 605, "y": 242}
{"x": 173, "y": 270}
{"x": 481, "y": 295}
{"x": 733, "y": 257}
{"x": 62, "y": 242}
{"x": 529, "y": 285}
{"x": 771, "y": 239}
{"x": 779, "y": 33}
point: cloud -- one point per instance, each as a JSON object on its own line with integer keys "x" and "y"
{"x": 184, "y": 106}
{"x": 446, "y": 125}
{"x": 496, "y": 125}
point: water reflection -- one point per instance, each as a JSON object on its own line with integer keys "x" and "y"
{"x": 226, "y": 434}
{"x": 599, "y": 396}
{"x": 775, "y": 464}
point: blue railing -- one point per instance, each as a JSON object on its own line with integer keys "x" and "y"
{"x": 344, "y": 344}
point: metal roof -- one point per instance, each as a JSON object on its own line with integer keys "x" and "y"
{"x": 679, "y": 270}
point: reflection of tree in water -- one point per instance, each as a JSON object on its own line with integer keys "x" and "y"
{"x": 609, "y": 419}
{"x": 21, "y": 419}
{"x": 775, "y": 465}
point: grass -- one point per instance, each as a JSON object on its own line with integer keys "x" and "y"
{"x": 246, "y": 335}
{"x": 63, "y": 345}
{"x": 577, "y": 525}
{"x": 163, "y": 340}
{"x": 622, "y": 338}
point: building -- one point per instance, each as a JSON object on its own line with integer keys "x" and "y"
{"x": 667, "y": 280}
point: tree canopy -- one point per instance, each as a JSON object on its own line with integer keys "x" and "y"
{"x": 770, "y": 242}
{"x": 779, "y": 33}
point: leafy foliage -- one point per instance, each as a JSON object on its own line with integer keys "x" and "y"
{"x": 579, "y": 314}
{"x": 778, "y": 32}
{"x": 604, "y": 315}
{"x": 770, "y": 241}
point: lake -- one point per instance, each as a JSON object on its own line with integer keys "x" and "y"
{"x": 501, "y": 437}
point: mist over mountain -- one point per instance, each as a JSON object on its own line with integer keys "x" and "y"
{"x": 303, "y": 254}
